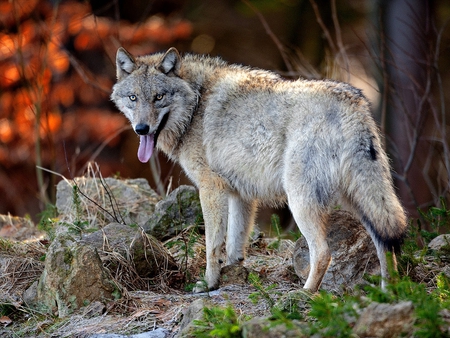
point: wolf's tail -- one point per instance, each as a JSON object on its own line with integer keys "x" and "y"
{"x": 370, "y": 191}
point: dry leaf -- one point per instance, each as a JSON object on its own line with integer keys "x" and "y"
{"x": 5, "y": 320}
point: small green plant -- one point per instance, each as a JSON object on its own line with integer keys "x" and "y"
{"x": 275, "y": 225}
{"x": 443, "y": 288}
{"x": 185, "y": 243}
{"x": 264, "y": 292}
{"x": 429, "y": 225}
{"x": 78, "y": 225}
{"x": 331, "y": 314}
{"x": 427, "y": 305}
{"x": 47, "y": 220}
{"x": 438, "y": 218}
{"x": 218, "y": 322}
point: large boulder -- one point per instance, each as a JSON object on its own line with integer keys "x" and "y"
{"x": 147, "y": 255}
{"x": 73, "y": 277}
{"x": 94, "y": 202}
{"x": 352, "y": 250}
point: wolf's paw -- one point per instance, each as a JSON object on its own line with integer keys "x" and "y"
{"x": 200, "y": 286}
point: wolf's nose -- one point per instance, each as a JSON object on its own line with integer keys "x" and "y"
{"x": 142, "y": 129}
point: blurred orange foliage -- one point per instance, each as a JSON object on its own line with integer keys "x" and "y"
{"x": 56, "y": 74}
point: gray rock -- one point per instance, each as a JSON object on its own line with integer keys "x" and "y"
{"x": 439, "y": 242}
{"x": 73, "y": 277}
{"x": 30, "y": 294}
{"x": 94, "y": 200}
{"x": 18, "y": 228}
{"x": 352, "y": 250}
{"x": 193, "y": 312}
{"x": 385, "y": 320}
{"x": 148, "y": 255}
{"x": 296, "y": 300}
{"x": 261, "y": 327}
{"x": 233, "y": 274}
{"x": 179, "y": 209}
{"x": 157, "y": 333}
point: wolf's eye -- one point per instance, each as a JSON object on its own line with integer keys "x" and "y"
{"x": 132, "y": 97}
{"x": 159, "y": 97}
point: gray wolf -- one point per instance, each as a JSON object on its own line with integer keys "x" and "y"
{"x": 247, "y": 137}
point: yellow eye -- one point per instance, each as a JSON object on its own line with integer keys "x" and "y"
{"x": 132, "y": 97}
{"x": 159, "y": 97}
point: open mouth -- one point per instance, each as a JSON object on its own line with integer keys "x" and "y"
{"x": 147, "y": 143}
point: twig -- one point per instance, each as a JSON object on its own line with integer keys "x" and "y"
{"x": 339, "y": 42}
{"x": 274, "y": 38}
{"x": 322, "y": 25}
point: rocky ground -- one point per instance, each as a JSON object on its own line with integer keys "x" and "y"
{"x": 116, "y": 260}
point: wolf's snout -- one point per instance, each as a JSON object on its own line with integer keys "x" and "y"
{"x": 142, "y": 129}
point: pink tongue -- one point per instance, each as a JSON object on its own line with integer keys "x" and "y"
{"x": 145, "y": 150}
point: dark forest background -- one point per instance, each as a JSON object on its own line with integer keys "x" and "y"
{"x": 57, "y": 67}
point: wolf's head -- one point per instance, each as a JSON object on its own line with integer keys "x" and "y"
{"x": 152, "y": 94}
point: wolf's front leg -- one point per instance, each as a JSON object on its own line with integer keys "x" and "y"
{"x": 241, "y": 218}
{"x": 214, "y": 202}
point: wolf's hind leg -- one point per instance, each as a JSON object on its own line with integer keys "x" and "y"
{"x": 241, "y": 217}
{"x": 312, "y": 225}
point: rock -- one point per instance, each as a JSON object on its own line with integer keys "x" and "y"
{"x": 262, "y": 327}
{"x": 73, "y": 277}
{"x": 94, "y": 309}
{"x": 18, "y": 228}
{"x": 385, "y": 320}
{"x": 296, "y": 300}
{"x": 193, "y": 312}
{"x": 233, "y": 274}
{"x": 30, "y": 294}
{"x": 439, "y": 242}
{"x": 157, "y": 333}
{"x": 148, "y": 255}
{"x": 179, "y": 209}
{"x": 352, "y": 250}
{"x": 104, "y": 200}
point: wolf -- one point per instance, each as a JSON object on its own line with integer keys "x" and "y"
{"x": 246, "y": 137}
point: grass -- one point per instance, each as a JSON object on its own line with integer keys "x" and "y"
{"x": 327, "y": 314}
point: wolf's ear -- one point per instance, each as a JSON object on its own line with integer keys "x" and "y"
{"x": 125, "y": 63}
{"x": 170, "y": 62}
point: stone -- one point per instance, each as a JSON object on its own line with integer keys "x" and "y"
{"x": 385, "y": 320}
{"x": 352, "y": 250}
{"x": 233, "y": 274}
{"x": 18, "y": 228}
{"x": 263, "y": 327}
{"x": 95, "y": 200}
{"x": 148, "y": 255}
{"x": 439, "y": 242}
{"x": 157, "y": 333}
{"x": 178, "y": 210}
{"x": 193, "y": 312}
{"x": 295, "y": 300}
{"x": 73, "y": 277}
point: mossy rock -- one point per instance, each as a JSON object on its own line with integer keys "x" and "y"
{"x": 73, "y": 277}
{"x": 181, "y": 208}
